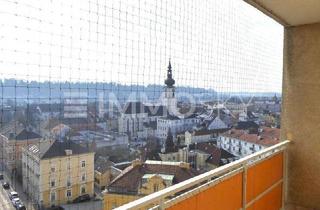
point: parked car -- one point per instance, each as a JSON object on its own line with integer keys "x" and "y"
{"x": 20, "y": 206}
{"x": 82, "y": 198}
{"x": 16, "y": 201}
{"x": 6, "y": 185}
{"x": 1, "y": 176}
{"x": 13, "y": 195}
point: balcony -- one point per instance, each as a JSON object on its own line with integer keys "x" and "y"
{"x": 255, "y": 182}
{"x": 53, "y": 49}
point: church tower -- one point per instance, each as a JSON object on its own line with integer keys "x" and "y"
{"x": 168, "y": 98}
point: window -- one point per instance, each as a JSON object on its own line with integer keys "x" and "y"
{"x": 53, "y": 183}
{"x": 83, "y": 177}
{"x": 53, "y": 169}
{"x": 83, "y": 164}
{"x": 69, "y": 193}
{"x": 155, "y": 187}
{"x": 52, "y": 196}
{"x": 68, "y": 165}
{"x": 97, "y": 180}
{"x": 68, "y": 181}
{"x": 83, "y": 190}
{"x": 114, "y": 205}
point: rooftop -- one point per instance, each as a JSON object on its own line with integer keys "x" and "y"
{"x": 247, "y": 125}
{"x": 53, "y": 149}
{"x": 102, "y": 164}
{"x": 265, "y": 136}
{"x": 26, "y": 134}
{"x": 217, "y": 155}
{"x": 129, "y": 180}
{"x": 139, "y": 107}
{"x": 163, "y": 176}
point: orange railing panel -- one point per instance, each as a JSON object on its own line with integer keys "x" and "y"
{"x": 226, "y": 195}
{"x": 263, "y": 175}
{"x": 271, "y": 201}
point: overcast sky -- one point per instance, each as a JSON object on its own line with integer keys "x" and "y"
{"x": 225, "y": 45}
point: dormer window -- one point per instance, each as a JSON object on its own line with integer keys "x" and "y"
{"x": 155, "y": 187}
{"x": 68, "y": 152}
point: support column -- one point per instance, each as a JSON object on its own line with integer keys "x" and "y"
{"x": 301, "y": 113}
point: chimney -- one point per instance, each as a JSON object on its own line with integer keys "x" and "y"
{"x": 184, "y": 165}
{"x": 68, "y": 152}
{"x": 136, "y": 162}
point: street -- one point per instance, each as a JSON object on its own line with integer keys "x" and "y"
{"x": 5, "y": 202}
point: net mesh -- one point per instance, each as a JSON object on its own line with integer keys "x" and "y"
{"x": 64, "y": 62}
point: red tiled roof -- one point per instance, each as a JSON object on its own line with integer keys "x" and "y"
{"x": 203, "y": 132}
{"x": 267, "y": 136}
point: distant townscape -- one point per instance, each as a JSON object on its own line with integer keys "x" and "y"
{"x": 62, "y": 144}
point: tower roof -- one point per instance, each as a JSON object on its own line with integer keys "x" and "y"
{"x": 169, "y": 81}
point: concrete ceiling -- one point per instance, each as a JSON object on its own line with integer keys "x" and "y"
{"x": 290, "y": 12}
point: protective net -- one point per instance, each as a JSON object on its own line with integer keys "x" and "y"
{"x": 83, "y": 92}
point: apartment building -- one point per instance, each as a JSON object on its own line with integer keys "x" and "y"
{"x": 198, "y": 136}
{"x": 241, "y": 142}
{"x": 175, "y": 124}
{"x": 57, "y": 172}
{"x": 12, "y": 138}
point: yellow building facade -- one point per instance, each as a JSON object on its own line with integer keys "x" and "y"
{"x": 112, "y": 200}
{"x": 152, "y": 183}
{"x": 58, "y": 176}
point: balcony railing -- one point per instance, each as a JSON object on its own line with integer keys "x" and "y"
{"x": 255, "y": 182}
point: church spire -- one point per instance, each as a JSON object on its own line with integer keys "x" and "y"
{"x": 169, "y": 81}
{"x": 169, "y": 67}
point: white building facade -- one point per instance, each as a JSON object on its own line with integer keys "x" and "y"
{"x": 237, "y": 146}
{"x": 175, "y": 124}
